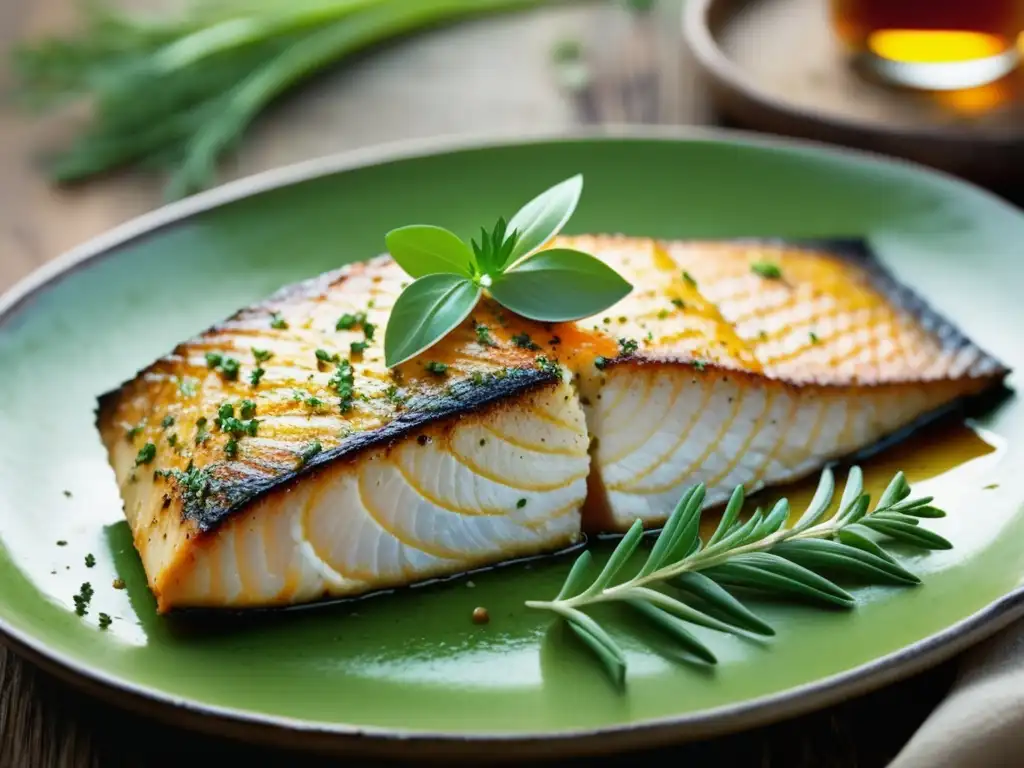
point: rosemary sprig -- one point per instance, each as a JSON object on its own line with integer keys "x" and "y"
{"x": 759, "y": 554}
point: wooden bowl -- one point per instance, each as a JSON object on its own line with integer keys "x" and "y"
{"x": 777, "y": 66}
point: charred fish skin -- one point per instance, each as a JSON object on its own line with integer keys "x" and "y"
{"x": 509, "y": 438}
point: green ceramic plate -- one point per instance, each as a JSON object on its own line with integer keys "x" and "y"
{"x": 410, "y": 672}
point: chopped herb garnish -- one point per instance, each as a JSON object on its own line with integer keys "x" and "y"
{"x": 368, "y": 330}
{"x": 523, "y": 340}
{"x": 213, "y": 360}
{"x": 766, "y": 270}
{"x": 132, "y": 432}
{"x": 689, "y": 278}
{"x": 230, "y": 368}
{"x": 627, "y": 346}
{"x": 226, "y": 411}
{"x": 662, "y": 314}
{"x": 104, "y": 621}
{"x": 167, "y": 422}
{"x": 309, "y": 452}
{"x": 67, "y": 494}
{"x": 231, "y": 448}
{"x": 343, "y": 382}
{"x": 345, "y": 322}
{"x": 118, "y": 584}
{"x": 261, "y": 355}
{"x": 62, "y": 543}
{"x": 649, "y": 337}
{"x": 277, "y": 321}
{"x": 172, "y": 439}
{"x": 548, "y": 366}
{"x": 678, "y": 303}
{"x": 247, "y": 409}
{"x": 436, "y": 368}
{"x": 90, "y": 560}
{"x": 600, "y": 362}
{"x": 325, "y": 357}
{"x": 700, "y": 365}
{"x": 146, "y": 454}
{"x": 392, "y": 394}
{"x": 83, "y": 598}
{"x": 195, "y": 483}
{"x": 521, "y": 503}
{"x": 256, "y": 375}
{"x": 477, "y": 378}
{"x": 358, "y": 347}
{"x": 201, "y": 434}
{"x": 483, "y": 336}
{"x": 813, "y": 337}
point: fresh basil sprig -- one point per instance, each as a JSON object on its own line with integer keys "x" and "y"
{"x": 450, "y": 275}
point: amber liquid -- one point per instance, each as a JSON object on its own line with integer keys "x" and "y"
{"x": 939, "y": 44}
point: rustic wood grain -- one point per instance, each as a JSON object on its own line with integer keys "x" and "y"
{"x": 639, "y": 74}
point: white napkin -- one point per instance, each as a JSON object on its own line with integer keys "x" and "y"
{"x": 981, "y": 722}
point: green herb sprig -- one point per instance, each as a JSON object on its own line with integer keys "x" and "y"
{"x": 450, "y": 275}
{"x": 760, "y": 555}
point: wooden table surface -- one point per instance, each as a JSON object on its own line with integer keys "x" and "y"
{"x": 444, "y": 82}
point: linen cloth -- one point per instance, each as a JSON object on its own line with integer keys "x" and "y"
{"x": 981, "y": 721}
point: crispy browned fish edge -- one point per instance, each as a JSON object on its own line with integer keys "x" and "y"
{"x": 230, "y": 496}
{"x": 230, "y": 491}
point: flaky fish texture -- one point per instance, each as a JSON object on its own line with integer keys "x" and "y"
{"x": 274, "y": 459}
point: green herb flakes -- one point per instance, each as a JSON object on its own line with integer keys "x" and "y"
{"x": 343, "y": 382}
{"x": 247, "y": 409}
{"x": 213, "y": 360}
{"x": 311, "y": 450}
{"x": 436, "y": 368}
{"x": 524, "y": 341}
{"x": 345, "y": 322}
{"x": 521, "y": 503}
{"x": 628, "y": 346}
{"x": 483, "y": 336}
{"x": 689, "y": 278}
{"x": 766, "y": 270}
{"x": 146, "y": 454}
{"x": 678, "y": 303}
{"x": 600, "y": 362}
{"x": 278, "y": 322}
{"x": 261, "y": 355}
{"x": 813, "y": 337}
{"x": 231, "y": 448}
{"x": 548, "y": 366}
{"x": 358, "y": 347}
{"x": 256, "y": 376}
{"x": 104, "y": 620}
{"x": 90, "y": 560}
{"x": 83, "y": 598}
{"x": 663, "y": 313}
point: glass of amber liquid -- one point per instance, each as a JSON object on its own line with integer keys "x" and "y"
{"x": 932, "y": 44}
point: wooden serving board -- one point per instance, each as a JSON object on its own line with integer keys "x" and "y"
{"x": 776, "y": 66}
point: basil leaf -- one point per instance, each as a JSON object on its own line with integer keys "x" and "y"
{"x": 558, "y": 285}
{"x": 426, "y": 311}
{"x": 543, "y": 217}
{"x": 422, "y": 249}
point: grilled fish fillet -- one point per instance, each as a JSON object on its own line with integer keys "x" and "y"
{"x": 275, "y": 460}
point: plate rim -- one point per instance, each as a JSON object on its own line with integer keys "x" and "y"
{"x": 259, "y": 728}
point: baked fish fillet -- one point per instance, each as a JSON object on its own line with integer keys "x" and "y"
{"x": 756, "y": 363}
{"x": 274, "y": 460}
